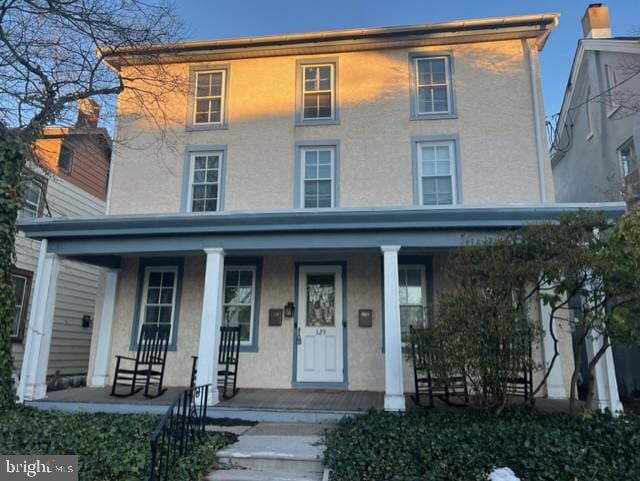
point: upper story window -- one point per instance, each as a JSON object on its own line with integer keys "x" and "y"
{"x": 627, "y": 157}
{"x": 431, "y": 94}
{"x": 317, "y": 102}
{"x": 204, "y": 181}
{"x": 207, "y": 108}
{"x": 33, "y": 199}
{"x": 239, "y": 300}
{"x": 436, "y": 172}
{"x": 318, "y": 176}
{"x": 65, "y": 162}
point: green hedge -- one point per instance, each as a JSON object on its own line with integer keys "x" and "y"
{"x": 466, "y": 447}
{"x": 111, "y": 447}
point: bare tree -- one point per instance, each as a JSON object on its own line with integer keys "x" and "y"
{"x": 52, "y": 54}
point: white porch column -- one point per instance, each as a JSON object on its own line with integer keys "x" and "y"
{"x": 33, "y": 378}
{"x": 393, "y": 380}
{"x": 606, "y": 387}
{"x": 210, "y": 323}
{"x": 104, "y": 318}
{"x": 555, "y": 382}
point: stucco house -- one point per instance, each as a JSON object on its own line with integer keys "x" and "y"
{"x": 67, "y": 179}
{"x": 329, "y": 172}
{"x": 594, "y": 152}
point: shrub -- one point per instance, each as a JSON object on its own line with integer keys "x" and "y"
{"x": 109, "y": 446}
{"x": 466, "y": 447}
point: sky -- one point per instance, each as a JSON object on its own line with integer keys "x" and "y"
{"x": 207, "y": 19}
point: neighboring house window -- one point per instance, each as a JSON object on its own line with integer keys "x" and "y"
{"x": 32, "y": 200}
{"x": 436, "y": 173}
{"x": 159, "y": 297}
{"x": 413, "y": 298}
{"x": 318, "y": 92}
{"x": 22, "y": 283}
{"x": 588, "y": 114}
{"x": 209, "y": 101}
{"x": 65, "y": 162}
{"x": 239, "y": 300}
{"x": 432, "y": 83}
{"x": 626, "y": 155}
{"x": 317, "y": 188}
{"x": 204, "y": 190}
{"x": 611, "y": 82}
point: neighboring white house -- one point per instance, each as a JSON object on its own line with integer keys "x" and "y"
{"x": 70, "y": 181}
{"x": 331, "y": 171}
{"x": 594, "y": 155}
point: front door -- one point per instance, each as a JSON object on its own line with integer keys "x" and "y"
{"x": 319, "y": 336}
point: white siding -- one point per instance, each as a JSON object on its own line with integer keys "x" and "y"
{"x": 76, "y": 296}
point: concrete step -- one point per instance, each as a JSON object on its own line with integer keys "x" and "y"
{"x": 291, "y": 454}
{"x": 255, "y": 475}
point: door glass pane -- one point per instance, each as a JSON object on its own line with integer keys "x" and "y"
{"x": 320, "y": 300}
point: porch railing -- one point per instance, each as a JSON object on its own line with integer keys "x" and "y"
{"x": 178, "y": 431}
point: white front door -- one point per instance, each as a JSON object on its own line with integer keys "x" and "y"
{"x": 320, "y": 325}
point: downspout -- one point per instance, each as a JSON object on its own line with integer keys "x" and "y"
{"x": 535, "y": 97}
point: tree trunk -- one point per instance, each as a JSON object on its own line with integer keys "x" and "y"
{"x": 592, "y": 366}
{"x": 12, "y": 158}
{"x": 574, "y": 378}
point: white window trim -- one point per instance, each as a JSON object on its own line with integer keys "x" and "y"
{"x": 423, "y": 282}
{"x": 610, "y": 76}
{"x": 332, "y": 91}
{"x": 251, "y": 269}
{"x": 452, "y": 170}
{"x": 192, "y": 163}
{"x": 223, "y": 99}
{"x": 588, "y": 114}
{"x": 332, "y": 150}
{"x": 627, "y": 143}
{"x": 447, "y": 73}
{"x": 145, "y": 291}
{"x": 38, "y": 206}
{"x": 22, "y": 302}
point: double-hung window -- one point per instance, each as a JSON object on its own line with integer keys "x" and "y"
{"x": 209, "y": 101}
{"x": 626, "y": 156}
{"x": 65, "y": 161}
{"x": 159, "y": 297}
{"x": 239, "y": 300}
{"x": 317, "y": 182}
{"x": 432, "y": 83}
{"x": 413, "y": 298}
{"x": 436, "y": 173}
{"x": 318, "y": 92}
{"x": 32, "y": 201}
{"x": 204, "y": 181}
{"x": 22, "y": 284}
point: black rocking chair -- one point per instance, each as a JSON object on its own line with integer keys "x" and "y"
{"x": 228, "y": 355}
{"x": 426, "y": 384}
{"x": 148, "y": 365}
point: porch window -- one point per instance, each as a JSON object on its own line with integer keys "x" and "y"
{"x": 413, "y": 302}
{"x": 159, "y": 297}
{"x": 436, "y": 173}
{"x": 209, "y": 97}
{"x": 22, "y": 284}
{"x": 32, "y": 205}
{"x": 318, "y": 183}
{"x": 433, "y": 85}
{"x": 205, "y": 181}
{"x": 318, "y": 92}
{"x": 239, "y": 300}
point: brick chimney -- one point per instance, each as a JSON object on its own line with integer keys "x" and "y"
{"x": 88, "y": 113}
{"x": 595, "y": 23}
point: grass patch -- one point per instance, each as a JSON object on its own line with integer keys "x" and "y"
{"x": 109, "y": 446}
{"x": 466, "y": 447}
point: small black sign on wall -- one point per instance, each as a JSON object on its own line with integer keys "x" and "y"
{"x": 275, "y": 317}
{"x": 365, "y": 318}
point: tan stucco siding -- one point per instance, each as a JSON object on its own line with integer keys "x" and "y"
{"x": 494, "y": 122}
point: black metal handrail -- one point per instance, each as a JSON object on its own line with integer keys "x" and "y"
{"x": 180, "y": 427}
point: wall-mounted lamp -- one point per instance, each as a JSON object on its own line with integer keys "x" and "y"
{"x": 86, "y": 320}
{"x": 289, "y": 309}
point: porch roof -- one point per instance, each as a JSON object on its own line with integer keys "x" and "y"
{"x": 292, "y": 229}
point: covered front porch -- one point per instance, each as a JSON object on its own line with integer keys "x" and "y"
{"x": 339, "y": 344}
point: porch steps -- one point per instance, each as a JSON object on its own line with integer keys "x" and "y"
{"x": 274, "y": 452}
